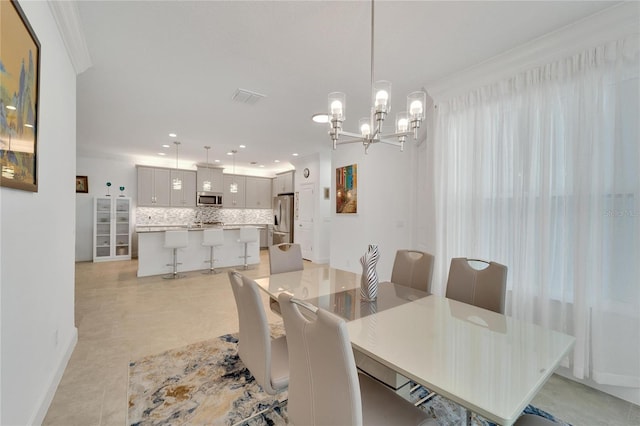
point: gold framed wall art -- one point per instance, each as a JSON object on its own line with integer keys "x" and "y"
{"x": 19, "y": 92}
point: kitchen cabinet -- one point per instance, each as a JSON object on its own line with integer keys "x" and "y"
{"x": 111, "y": 228}
{"x": 258, "y": 193}
{"x": 283, "y": 183}
{"x": 153, "y": 187}
{"x": 183, "y": 195}
{"x": 213, "y": 175}
{"x": 233, "y": 200}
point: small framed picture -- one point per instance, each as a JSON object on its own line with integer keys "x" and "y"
{"x": 82, "y": 184}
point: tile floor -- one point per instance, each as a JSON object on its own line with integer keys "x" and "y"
{"x": 121, "y": 318}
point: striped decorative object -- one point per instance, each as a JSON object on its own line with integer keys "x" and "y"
{"x": 369, "y": 283}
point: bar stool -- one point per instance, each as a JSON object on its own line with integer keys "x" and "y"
{"x": 175, "y": 240}
{"x": 247, "y": 235}
{"x": 212, "y": 238}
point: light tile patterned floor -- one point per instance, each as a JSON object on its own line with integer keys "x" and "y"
{"x": 120, "y": 318}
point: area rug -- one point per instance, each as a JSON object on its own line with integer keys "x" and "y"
{"x": 206, "y": 383}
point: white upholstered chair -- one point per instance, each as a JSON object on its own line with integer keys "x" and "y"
{"x": 212, "y": 237}
{"x": 285, "y": 257}
{"x": 266, "y": 358}
{"x": 325, "y": 387}
{"x": 175, "y": 240}
{"x": 413, "y": 268}
{"x": 485, "y": 288}
{"x": 248, "y": 234}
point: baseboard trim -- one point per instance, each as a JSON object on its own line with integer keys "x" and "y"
{"x": 47, "y": 398}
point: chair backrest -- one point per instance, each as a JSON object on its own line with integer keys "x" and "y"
{"x": 414, "y": 269}
{"x": 484, "y": 288}
{"x": 213, "y": 237}
{"x": 323, "y": 380}
{"x": 248, "y": 234}
{"x": 285, "y": 257}
{"x": 254, "y": 343}
{"x": 176, "y": 239}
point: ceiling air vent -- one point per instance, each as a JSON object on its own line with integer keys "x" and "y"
{"x": 247, "y": 96}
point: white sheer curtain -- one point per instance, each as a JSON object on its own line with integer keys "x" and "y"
{"x": 541, "y": 172}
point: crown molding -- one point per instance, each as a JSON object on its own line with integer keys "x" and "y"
{"x": 609, "y": 24}
{"x": 67, "y": 18}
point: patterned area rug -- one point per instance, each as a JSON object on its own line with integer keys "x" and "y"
{"x": 206, "y": 384}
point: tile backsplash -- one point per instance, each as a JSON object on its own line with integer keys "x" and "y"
{"x": 184, "y": 216}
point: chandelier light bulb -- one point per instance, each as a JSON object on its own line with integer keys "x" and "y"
{"x": 336, "y": 108}
{"x": 365, "y": 129}
{"x": 415, "y": 108}
{"x": 403, "y": 125}
{"x": 381, "y": 98}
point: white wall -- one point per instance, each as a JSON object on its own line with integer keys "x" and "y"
{"x": 37, "y": 263}
{"x": 385, "y": 191}
{"x": 319, "y": 165}
{"x": 99, "y": 171}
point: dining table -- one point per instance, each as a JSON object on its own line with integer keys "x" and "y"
{"x": 490, "y": 364}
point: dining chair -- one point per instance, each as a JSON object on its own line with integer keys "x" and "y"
{"x": 484, "y": 287}
{"x": 325, "y": 387}
{"x": 413, "y": 268}
{"x": 267, "y": 359}
{"x": 285, "y": 257}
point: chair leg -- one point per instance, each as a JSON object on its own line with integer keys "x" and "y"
{"x": 245, "y": 257}
{"x": 174, "y": 275}
{"x": 212, "y": 269}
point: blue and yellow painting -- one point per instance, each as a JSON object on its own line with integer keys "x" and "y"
{"x": 18, "y": 99}
{"x": 347, "y": 189}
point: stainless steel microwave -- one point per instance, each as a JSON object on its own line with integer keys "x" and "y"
{"x": 209, "y": 199}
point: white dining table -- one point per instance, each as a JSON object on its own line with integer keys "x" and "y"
{"x": 489, "y": 363}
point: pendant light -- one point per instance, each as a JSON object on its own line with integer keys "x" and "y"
{"x": 176, "y": 182}
{"x": 233, "y": 187}
{"x": 206, "y": 184}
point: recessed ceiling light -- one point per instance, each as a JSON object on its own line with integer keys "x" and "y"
{"x": 216, "y": 161}
{"x": 276, "y": 161}
{"x": 162, "y": 153}
{"x": 295, "y": 154}
{"x": 243, "y": 146}
{"x": 229, "y": 153}
{"x": 166, "y": 146}
{"x": 261, "y": 165}
{"x": 320, "y": 118}
{"x": 172, "y": 135}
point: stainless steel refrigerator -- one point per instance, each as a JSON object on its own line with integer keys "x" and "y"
{"x": 283, "y": 219}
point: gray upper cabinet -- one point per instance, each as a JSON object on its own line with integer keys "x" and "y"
{"x": 211, "y": 174}
{"x": 283, "y": 183}
{"x": 258, "y": 193}
{"x": 233, "y": 200}
{"x": 185, "y": 194}
{"x": 153, "y": 187}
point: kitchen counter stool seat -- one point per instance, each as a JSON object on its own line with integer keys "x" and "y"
{"x": 247, "y": 235}
{"x": 212, "y": 238}
{"x": 175, "y": 240}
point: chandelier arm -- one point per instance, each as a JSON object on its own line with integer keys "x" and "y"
{"x": 389, "y": 142}
{"x": 351, "y": 135}
{"x": 347, "y": 141}
{"x": 397, "y": 135}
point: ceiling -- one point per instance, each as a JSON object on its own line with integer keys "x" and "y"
{"x": 163, "y": 67}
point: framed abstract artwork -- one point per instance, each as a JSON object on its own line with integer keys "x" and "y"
{"x": 347, "y": 189}
{"x": 82, "y": 184}
{"x": 19, "y": 91}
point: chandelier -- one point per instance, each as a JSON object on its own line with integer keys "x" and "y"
{"x": 407, "y": 122}
{"x": 176, "y": 182}
{"x": 233, "y": 186}
{"x": 206, "y": 184}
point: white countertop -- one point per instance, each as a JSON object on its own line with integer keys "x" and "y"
{"x": 162, "y": 228}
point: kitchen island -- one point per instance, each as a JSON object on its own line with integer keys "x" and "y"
{"x": 153, "y": 258}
